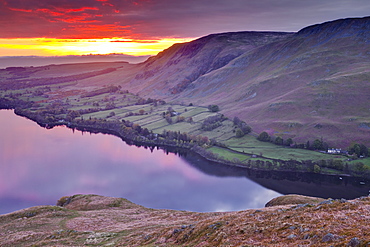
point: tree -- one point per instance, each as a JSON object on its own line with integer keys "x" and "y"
{"x": 169, "y": 119}
{"x": 308, "y": 145}
{"x": 236, "y": 121}
{"x": 213, "y": 108}
{"x": 358, "y": 149}
{"x": 145, "y": 132}
{"x": 316, "y": 168}
{"x": 264, "y": 137}
{"x": 317, "y": 145}
{"x": 289, "y": 142}
{"x": 180, "y": 119}
{"x": 245, "y": 128}
{"x": 338, "y": 164}
{"x": 239, "y": 133}
{"x": 279, "y": 141}
{"x": 73, "y": 114}
{"x": 364, "y": 150}
{"x": 212, "y": 122}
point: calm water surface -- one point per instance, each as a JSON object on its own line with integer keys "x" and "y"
{"x": 38, "y": 166}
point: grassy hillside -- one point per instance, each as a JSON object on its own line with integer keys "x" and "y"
{"x": 308, "y": 85}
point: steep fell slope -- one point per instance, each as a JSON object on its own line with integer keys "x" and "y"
{"x": 172, "y": 70}
{"x": 308, "y": 85}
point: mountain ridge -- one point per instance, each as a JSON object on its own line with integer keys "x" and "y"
{"x": 283, "y": 83}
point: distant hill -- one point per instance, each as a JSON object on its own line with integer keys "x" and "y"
{"x": 25, "y": 61}
{"x": 306, "y": 85}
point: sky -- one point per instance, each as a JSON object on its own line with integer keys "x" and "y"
{"x": 145, "y": 27}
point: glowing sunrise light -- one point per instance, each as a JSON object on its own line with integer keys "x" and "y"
{"x": 62, "y": 47}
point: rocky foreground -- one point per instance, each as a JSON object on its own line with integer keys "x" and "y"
{"x": 91, "y": 220}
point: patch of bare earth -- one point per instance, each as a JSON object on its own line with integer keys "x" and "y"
{"x": 90, "y": 220}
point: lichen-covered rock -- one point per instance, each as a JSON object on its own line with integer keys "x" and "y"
{"x": 293, "y": 199}
{"x": 94, "y": 202}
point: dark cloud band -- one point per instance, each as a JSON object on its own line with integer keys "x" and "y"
{"x": 154, "y": 19}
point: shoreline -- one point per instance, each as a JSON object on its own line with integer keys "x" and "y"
{"x": 111, "y": 128}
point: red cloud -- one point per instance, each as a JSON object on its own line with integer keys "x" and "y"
{"x": 86, "y": 31}
{"x": 108, "y": 4}
{"x": 21, "y": 10}
{"x": 150, "y": 19}
{"x": 50, "y": 12}
{"x": 78, "y": 10}
{"x": 70, "y": 15}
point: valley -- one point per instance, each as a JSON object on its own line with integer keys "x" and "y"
{"x": 295, "y": 92}
{"x": 61, "y": 100}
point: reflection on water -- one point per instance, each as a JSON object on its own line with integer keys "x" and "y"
{"x": 38, "y": 166}
{"x": 308, "y": 184}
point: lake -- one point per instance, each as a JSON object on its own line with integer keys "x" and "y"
{"x": 38, "y": 166}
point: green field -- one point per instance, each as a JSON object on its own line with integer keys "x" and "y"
{"x": 249, "y": 144}
{"x": 185, "y": 119}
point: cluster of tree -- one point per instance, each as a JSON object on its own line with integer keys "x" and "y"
{"x": 356, "y": 169}
{"x": 317, "y": 144}
{"x": 110, "y": 105}
{"x": 180, "y": 86}
{"x": 178, "y": 119}
{"x": 212, "y": 122}
{"x": 172, "y": 113}
{"x": 141, "y": 112}
{"x": 264, "y": 137}
{"x": 71, "y": 114}
{"x": 14, "y": 103}
{"x": 358, "y": 150}
{"x": 155, "y": 102}
{"x": 213, "y": 108}
{"x": 169, "y": 119}
{"x": 111, "y": 114}
{"x": 41, "y": 91}
{"x": 185, "y": 137}
{"x": 241, "y": 128}
{"x": 108, "y": 89}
